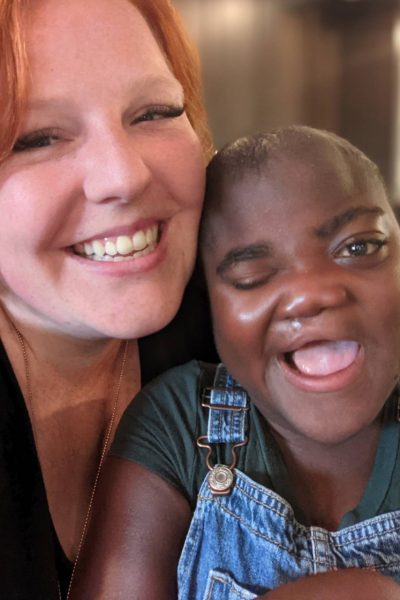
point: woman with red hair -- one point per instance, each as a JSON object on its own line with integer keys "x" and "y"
{"x": 102, "y": 152}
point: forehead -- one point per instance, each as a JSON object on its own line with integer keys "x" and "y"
{"x": 104, "y": 39}
{"x": 289, "y": 198}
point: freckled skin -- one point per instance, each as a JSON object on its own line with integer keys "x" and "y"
{"x": 101, "y": 167}
{"x": 306, "y": 278}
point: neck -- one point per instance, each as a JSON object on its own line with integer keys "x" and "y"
{"x": 67, "y": 370}
{"x": 329, "y": 480}
{"x": 75, "y": 392}
{"x": 66, "y": 354}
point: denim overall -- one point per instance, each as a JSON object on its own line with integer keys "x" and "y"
{"x": 244, "y": 539}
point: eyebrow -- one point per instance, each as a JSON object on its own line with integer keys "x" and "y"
{"x": 138, "y": 87}
{"x": 242, "y": 254}
{"x": 158, "y": 82}
{"x": 338, "y": 221}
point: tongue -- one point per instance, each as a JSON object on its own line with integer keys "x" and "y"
{"x": 325, "y": 358}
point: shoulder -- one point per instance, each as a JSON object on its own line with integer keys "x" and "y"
{"x": 169, "y": 403}
{"x": 190, "y": 376}
{"x": 160, "y": 427}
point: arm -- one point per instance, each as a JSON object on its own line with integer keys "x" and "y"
{"x": 347, "y": 584}
{"x": 135, "y": 536}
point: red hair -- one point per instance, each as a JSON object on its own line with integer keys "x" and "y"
{"x": 168, "y": 30}
{"x": 13, "y": 72}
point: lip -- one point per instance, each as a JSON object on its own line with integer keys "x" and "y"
{"x": 325, "y": 383}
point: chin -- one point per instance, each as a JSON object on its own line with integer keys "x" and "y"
{"x": 150, "y": 319}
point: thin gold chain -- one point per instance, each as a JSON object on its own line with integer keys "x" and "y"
{"x": 116, "y": 394}
{"x": 102, "y": 457}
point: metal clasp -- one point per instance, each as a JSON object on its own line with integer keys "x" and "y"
{"x": 206, "y": 397}
{"x": 221, "y": 477}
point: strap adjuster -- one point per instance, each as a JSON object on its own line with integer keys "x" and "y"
{"x": 206, "y": 397}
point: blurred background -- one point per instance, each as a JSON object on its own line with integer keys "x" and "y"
{"x": 333, "y": 64}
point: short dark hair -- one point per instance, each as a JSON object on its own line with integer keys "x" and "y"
{"x": 257, "y": 152}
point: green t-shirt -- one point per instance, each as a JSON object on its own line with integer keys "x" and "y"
{"x": 160, "y": 428}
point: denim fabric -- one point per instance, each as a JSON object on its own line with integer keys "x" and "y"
{"x": 226, "y": 426}
{"x": 244, "y": 543}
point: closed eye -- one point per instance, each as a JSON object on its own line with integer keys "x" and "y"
{"x": 250, "y": 283}
{"x": 248, "y": 275}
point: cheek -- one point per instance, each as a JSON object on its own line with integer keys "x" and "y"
{"x": 18, "y": 284}
{"x": 193, "y": 166}
{"x": 32, "y": 206}
{"x": 241, "y": 321}
{"x": 185, "y": 184}
{"x": 178, "y": 166}
{"x": 384, "y": 309}
{"x": 387, "y": 333}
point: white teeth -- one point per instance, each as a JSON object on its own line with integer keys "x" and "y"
{"x": 121, "y": 248}
{"x": 139, "y": 241}
{"x": 151, "y": 235}
{"x": 110, "y": 248}
{"x": 146, "y": 250}
{"x": 88, "y": 249}
{"x": 124, "y": 245}
{"x": 98, "y": 248}
{"x": 107, "y": 258}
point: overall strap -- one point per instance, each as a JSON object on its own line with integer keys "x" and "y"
{"x": 228, "y": 404}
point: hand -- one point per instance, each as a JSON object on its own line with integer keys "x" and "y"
{"x": 346, "y": 584}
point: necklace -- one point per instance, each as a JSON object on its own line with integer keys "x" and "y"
{"x": 117, "y": 389}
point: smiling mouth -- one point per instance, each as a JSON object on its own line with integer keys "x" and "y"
{"x": 322, "y": 358}
{"x": 120, "y": 248}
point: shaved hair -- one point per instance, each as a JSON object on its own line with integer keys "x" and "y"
{"x": 259, "y": 152}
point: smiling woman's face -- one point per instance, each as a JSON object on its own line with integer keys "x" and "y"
{"x": 303, "y": 270}
{"x": 101, "y": 198}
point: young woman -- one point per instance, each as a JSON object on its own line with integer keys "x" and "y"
{"x": 284, "y": 462}
{"x": 103, "y": 147}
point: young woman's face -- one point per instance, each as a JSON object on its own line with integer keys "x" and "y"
{"x": 101, "y": 198}
{"x": 304, "y": 281}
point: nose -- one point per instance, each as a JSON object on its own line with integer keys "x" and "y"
{"x": 113, "y": 167}
{"x": 308, "y": 294}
